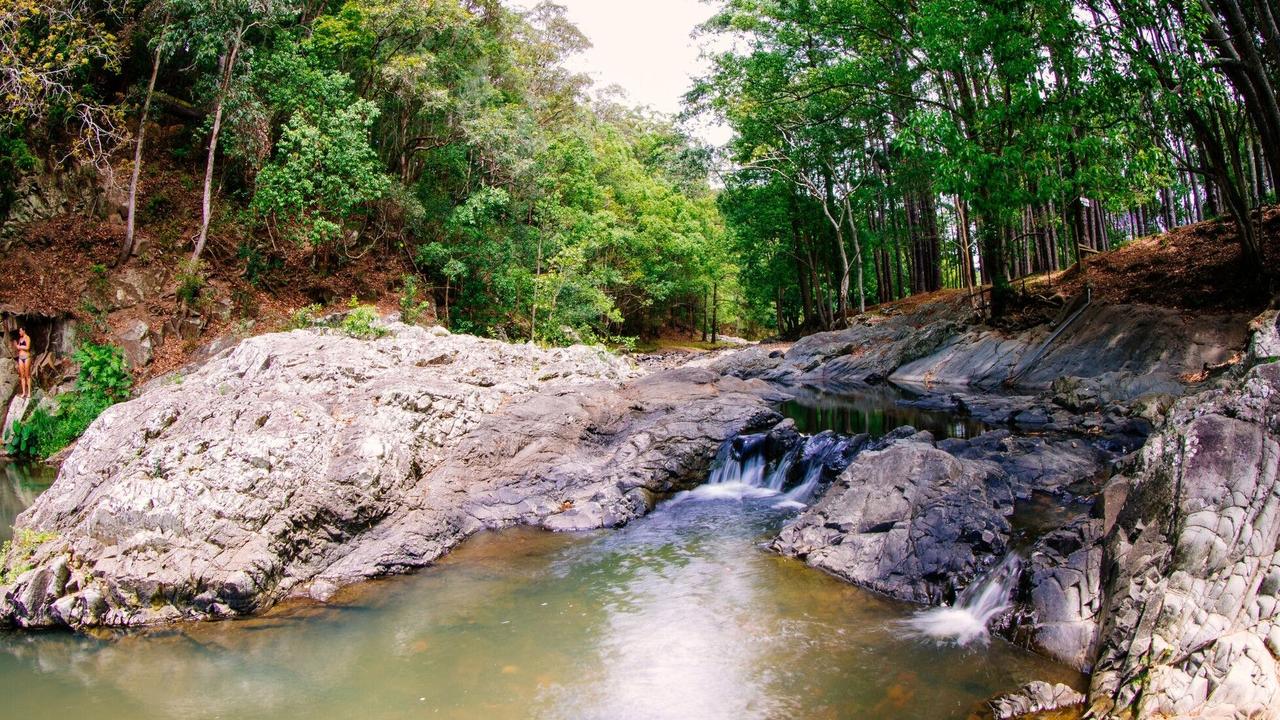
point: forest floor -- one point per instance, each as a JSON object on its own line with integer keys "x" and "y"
{"x": 61, "y": 267}
{"x": 1194, "y": 268}
{"x": 1197, "y": 267}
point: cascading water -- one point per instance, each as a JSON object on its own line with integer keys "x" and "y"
{"x": 977, "y": 606}
{"x": 818, "y": 452}
{"x": 743, "y": 469}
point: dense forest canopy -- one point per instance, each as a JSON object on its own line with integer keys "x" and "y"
{"x": 891, "y": 148}
{"x": 445, "y": 130}
{"x": 881, "y": 149}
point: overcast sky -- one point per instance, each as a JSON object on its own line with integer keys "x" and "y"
{"x": 644, "y": 46}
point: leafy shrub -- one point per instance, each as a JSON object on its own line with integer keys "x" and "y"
{"x": 304, "y": 317}
{"x": 362, "y": 322}
{"x": 103, "y": 381}
{"x": 412, "y": 307}
{"x": 95, "y": 314}
{"x": 16, "y": 554}
{"x": 191, "y": 282}
{"x": 103, "y": 372}
{"x": 25, "y": 437}
{"x": 43, "y": 434}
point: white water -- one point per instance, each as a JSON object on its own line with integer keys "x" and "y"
{"x": 741, "y": 472}
{"x": 976, "y": 607}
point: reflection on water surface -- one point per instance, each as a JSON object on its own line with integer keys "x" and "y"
{"x": 680, "y": 615}
{"x": 871, "y": 410}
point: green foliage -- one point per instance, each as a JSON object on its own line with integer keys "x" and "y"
{"x": 44, "y": 434}
{"x": 16, "y": 554}
{"x": 362, "y": 322}
{"x": 26, "y": 437}
{"x": 103, "y": 372}
{"x": 102, "y": 381}
{"x": 191, "y": 282}
{"x": 96, "y": 315}
{"x": 325, "y": 170}
{"x": 412, "y": 307}
{"x": 259, "y": 266}
{"x": 15, "y": 160}
{"x": 304, "y": 317}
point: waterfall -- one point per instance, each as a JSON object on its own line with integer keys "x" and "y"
{"x": 743, "y": 469}
{"x": 818, "y": 452}
{"x": 977, "y": 606}
{"x": 740, "y": 461}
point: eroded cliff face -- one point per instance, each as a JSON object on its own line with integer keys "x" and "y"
{"x": 1191, "y": 621}
{"x": 296, "y": 463}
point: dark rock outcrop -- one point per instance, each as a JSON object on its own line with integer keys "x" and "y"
{"x": 1128, "y": 350}
{"x": 1111, "y": 353}
{"x": 910, "y": 521}
{"x": 867, "y": 352}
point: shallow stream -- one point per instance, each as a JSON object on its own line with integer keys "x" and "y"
{"x": 680, "y": 615}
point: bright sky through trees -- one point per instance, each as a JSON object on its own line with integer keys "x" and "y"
{"x": 646, "y": 48}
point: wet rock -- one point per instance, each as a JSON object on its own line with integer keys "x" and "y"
{"x": 1034, "y": 698}
{"x": 293, "y": 464}
{"x": 910, "y": 521}
{"x": 1065, "y": 575}
{"x": 1036, "y": 463}
{"x": 1192, "y": 612}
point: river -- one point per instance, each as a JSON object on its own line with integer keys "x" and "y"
{"x": 682, "y": 614}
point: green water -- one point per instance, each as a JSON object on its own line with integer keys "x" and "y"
{"x": 873, "y": 410}
{"x": 19, "y": 486}
{"x": 680, "y": 615}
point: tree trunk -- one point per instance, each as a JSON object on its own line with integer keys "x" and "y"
{"x": 207, "y": 204}
{"x": 127, "y": 249}
{"x": 715, "y": 313}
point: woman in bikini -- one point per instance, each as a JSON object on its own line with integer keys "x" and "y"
{"x": 23, "y": 346}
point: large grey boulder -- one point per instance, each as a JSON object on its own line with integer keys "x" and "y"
{"x": 909, "y": 521}
{"x": 1192, "y": 614}
{"x": 1065, "y": 578}
{"x": 296, "y": 463}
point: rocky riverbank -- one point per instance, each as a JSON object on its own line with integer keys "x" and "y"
{"x": 296, "y": 463}
{"x": 1167, "y": 589}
